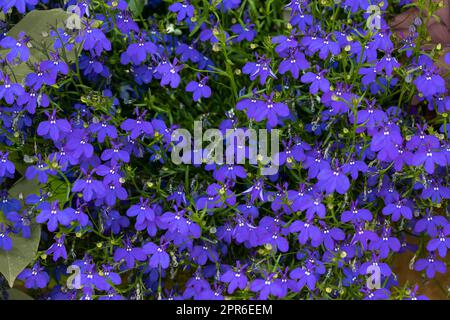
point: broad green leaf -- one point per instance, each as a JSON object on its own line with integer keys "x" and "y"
{"x": 136, "y": 6}
{"x": 16, "y": 294}
{"x": 22, "y": 254}
{"x": 23, "y": 187}
{"x": 37, "y": 25}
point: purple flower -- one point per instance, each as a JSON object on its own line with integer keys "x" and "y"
{"x": 78, "y": 144}
{"x": 284, "y": 43}
{"x": 260, "y": 68}
{"x": 430, "y": 224}
{"x": 266, "y": 287}
{"x": 35, "y": 278}
{"x": 138, "y": 52}
{"x": 159, "y": 255}
{"x": 307, "y": 231}
{"x": 200, "y": 89}
{"x": 55, "y": 128}
{"x": 441, "y": 243}
{"x": 369, "y": 75}
{"x": 169, "y": 73}
{"x": 78, "y": 214}
{"x": 19, "y": 48}
{"x": 115, "y": 154}
{"x": 114, "y": 222}
{"x": 356, "y": 215}
{"x": 236, "y": 279}
{"x": 94, "y": 40}
{"x": 397, "y": 210}
{"x": 330, "y": 236}
{"x": 385, "y": 244}
{"x": 103, "y": 129}
{"x": 176, "y": 222}
{"x": 387, "y": 63}
{"x": 430, "y": 83}
{"x": 377, "y": 294}
{"x": 385, "y": 142}
{"x": 429, "y": 158}
{"x": 10, "y": 91}
{"x": 294, "y": 63}
{"x": 21, "y": 222}
{"x": 354, "y": 167}
{"x": 315, "y": 163}
{"x": 333, "y": 179}
{"x": 324, "y": 46}
{"x": 5, "y": 241}
{"x": 57, "y": 249}
{"x": 317, "y": 81}
{"x": 305, "y": 276}
{"x": 363, "y": 236}
{"x": 271, "y": 111}
{"x": 432, "y": 265}
{"x": 6, "y": 166}
{"x": 91, "y": 188}
{"x": 246, "y": 32}
{"x": 55, "y": 65}
{"x": 229, "y": 172}
{"x": 114, "y": 192}
{"x": 129, "y": 254}
{"x": 183, "y": 9}
{"x": 436, "y": 192}
{"x": 53, "y": 215}
{"x": 202, "y": 253}
{"x": 31, "y": 100}
{"x": 138, "y": 126}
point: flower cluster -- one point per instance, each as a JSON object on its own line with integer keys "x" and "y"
{"x": 86, "y": 136}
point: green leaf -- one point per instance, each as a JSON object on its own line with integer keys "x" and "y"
{"x": 22, "y": 254}
{"x": 136, "y": 6}
{"x": 23, "y": 187}
{"x": 15, "y": 294}
{"x": 37, "y": 25}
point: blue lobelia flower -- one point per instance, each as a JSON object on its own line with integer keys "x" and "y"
{"x": 431, "y": 265}
{"x": 260, "y": 68}
{"x": 333, "y": 179}
{"x": 441, "y": 243}
{"x": 10, "y": 91}
{"x": 53, "y": 216}
{"x": 56, "y": 129}
{"x": 159, "y": 256}
{"x": 18, "y": 48}
{"x": 236, "y": 278}
{"x": 199, "y": 89}
{"x": 317, "y": 81}
{"x": 184, "y": 10}
{"x": 138, "y": 52}
{"x": 34, "y": 278}
{"x": 57, "y": 249}
{"x": 7, "y": 167}
{"x": 129, "y": 254}
{"x": 5, "y": 241}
